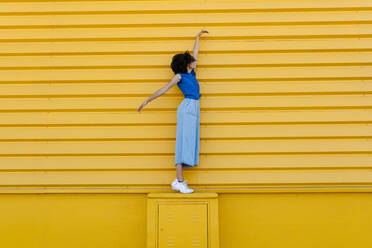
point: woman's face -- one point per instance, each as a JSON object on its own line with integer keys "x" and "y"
{"x": 192, "y": 65}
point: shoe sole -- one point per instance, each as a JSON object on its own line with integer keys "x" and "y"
{"x": 182, "y": 192}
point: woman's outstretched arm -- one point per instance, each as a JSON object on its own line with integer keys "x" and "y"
{"x": 176, "y": 78}
{"x": 196, "y": 45}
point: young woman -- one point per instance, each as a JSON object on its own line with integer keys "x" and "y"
{"x": 188, "y": 113}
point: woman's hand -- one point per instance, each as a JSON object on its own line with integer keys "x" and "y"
{"x": 202, "y": 32}
{"x": 142, "y": 105}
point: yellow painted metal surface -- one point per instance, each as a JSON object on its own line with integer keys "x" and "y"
{"x": 72, "y": 220}
{"x": 286, "y": 93}
{"x": 296, "y": 220}
{"x": 285, "y": 120}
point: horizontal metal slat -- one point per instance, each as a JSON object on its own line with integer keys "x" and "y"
{"x": 165, "y": 74}
{"x": 204, "y": 60}
{"x": 43, "y": 148}
{"x": 169, "y": 6}
{"x": 198, "y": 178}
{"x": 210, "y": 117}
{"x": 156, "y": 33}
{"x": 186, "y": 19}
{"x": 210, "y": 102}
{"x": 206, "y": 132}
{"x": 207, "y": 46}
{"x": 208, "y": 88}
{"x": 166, "y": 162}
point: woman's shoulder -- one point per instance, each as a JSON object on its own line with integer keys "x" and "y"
{"x": 178, "y": 76}
{"x": 192, "y": 73}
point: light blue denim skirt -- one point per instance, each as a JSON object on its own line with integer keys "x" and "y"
{"x": 188, "y": 129}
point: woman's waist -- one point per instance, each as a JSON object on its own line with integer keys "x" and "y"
{"x": 196, "y": 98}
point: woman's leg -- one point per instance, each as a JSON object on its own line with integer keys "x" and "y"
{"x": 179, "y": 171}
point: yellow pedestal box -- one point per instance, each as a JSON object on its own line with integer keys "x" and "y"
{"x": 182, "y": 220}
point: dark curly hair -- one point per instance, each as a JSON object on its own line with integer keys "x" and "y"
{"x": 180, "y": 62}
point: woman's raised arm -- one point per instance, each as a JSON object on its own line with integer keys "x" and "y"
{"x": 196, "y": 45}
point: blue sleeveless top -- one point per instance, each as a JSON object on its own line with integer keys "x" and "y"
{"x": 189, "y": 85}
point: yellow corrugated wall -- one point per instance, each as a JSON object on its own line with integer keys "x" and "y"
{"x": 285, "y": 119}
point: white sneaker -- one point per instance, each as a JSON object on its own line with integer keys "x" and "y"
{"x": 181, "y": 186}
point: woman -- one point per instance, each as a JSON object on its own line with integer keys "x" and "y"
{"x": 188, "y": 113}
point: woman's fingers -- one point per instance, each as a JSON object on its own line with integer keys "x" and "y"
{"x": 202, "y": 31}
{"x": 142, "y": 105}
